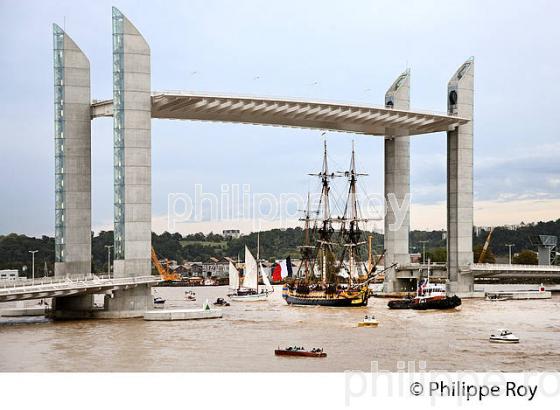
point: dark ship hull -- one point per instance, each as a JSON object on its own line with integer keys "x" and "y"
{"x": 444, "y": 303}
{"x": 321, "y": 298}
{"x": 301, "y": 353}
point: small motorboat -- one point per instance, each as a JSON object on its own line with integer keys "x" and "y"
{"x": 369, "y": 321}
{"x": 504, "y": 336}
{"x": 190, "y": 296}
{"x": 300, "y": 351}
{"x": 221, "y": 302}
{"x": 158, "y": 300}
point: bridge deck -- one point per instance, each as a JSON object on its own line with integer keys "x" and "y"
{"x": 361, "y": 119}
{"x": 51, "y": 287}
{"x": 484, "y": 270}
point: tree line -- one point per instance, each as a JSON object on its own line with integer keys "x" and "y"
{"x": 274, "y": 244}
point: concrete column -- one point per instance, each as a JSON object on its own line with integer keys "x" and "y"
{"x": 132, "y": 142}
{"x": 72, "y": 157}
{"x": 397, "y": 186}
{"x": 460, "y": 92}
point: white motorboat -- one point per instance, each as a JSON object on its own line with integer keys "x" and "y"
{"x": 504, "y": 336}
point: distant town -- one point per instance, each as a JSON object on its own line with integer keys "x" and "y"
{"x": 206, "y": 256}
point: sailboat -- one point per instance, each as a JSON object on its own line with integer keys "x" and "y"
{"x": 249, "y": 290}
{"x": 324, "y": 278}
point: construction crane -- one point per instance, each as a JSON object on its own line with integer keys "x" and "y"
{"x": 165, "y": 273}
{"x": 485, "y": 247}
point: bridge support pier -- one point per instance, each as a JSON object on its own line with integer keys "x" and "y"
{"x": 127, "y": 303}
{"x": 72, "y": 307}
{"x": 397, "y": 189}
{"x": 119, "y": 304}
{"x": 460, "y": 92}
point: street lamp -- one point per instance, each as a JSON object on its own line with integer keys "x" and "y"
{"x": 424, "y": 250}
{"x": 509, "y": 245}
{"x": 109, "y": 259}
{"x": 33, "y": 264}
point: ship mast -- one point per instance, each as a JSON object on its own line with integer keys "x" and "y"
{"x": 325, "y": 231}
{"x": 306, "y": 239}
{"x": 353, "y": 231}
{"x": 258, "y": 256}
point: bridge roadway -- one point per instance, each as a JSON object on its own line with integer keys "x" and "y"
{"x": 485, "y": 270}
{"x": 363, "y": 119}
{"x": 92, "y": 284}
{"x": 51, "y": 287}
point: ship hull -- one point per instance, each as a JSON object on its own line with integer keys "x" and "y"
{"x": 445, "y": 303}
{"x": 259, "y": 297}
{"x": 300, "y": 353}
{"x": 355, "y": 299}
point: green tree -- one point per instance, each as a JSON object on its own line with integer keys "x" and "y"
{"x": 437, "y": 255}
{"x": 526, "y": 257}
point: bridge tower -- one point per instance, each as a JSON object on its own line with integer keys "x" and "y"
{"x": 132, "y": 116}
{"x": 460, "y": 93}
{"x": 72, "y": 129}
{"x": 132, "y": 170}
{"x": 72, "y": 136}
{"x": 397, "y": 187}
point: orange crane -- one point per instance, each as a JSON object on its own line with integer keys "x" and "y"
{"x": 485, "y": 247}
{"x": 165, "y": 273}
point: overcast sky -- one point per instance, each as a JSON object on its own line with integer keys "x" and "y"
{"x": 329, "y": 50}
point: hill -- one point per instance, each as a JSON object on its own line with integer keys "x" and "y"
{"x": 275, "y": 244}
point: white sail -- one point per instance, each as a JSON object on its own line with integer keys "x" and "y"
{"x": 233, "y": 276}
{"x": 343, "y": 273}
{"x": 284, "y": 267}
{"x": 251, "y": 270}
{"x": 264, "y": 275}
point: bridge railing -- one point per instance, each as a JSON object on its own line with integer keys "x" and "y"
{"x": 514, "y": 267}
{"x": 73, "y": 281}
{"x": 304, "y": 100}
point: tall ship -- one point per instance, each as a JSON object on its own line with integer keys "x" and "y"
{"x": 331, "y": 273}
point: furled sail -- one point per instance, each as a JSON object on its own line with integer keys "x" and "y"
{"x": 233, "y": 276}
{"x": 251, "y": 270}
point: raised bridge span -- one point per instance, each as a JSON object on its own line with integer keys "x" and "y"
{"x": 334, "y": 116}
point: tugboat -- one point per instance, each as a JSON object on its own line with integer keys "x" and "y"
{"x": 368, "y": 322}
{"x": 504, "y": 336}
{"x": 300, "y": 351}
{"x": 322, "y": 278}
{"x": 428, "y": 296}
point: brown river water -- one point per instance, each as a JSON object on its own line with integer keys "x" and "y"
{"x": 245, "y": 338}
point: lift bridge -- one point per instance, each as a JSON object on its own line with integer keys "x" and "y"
{"x": 134, "y": 105}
